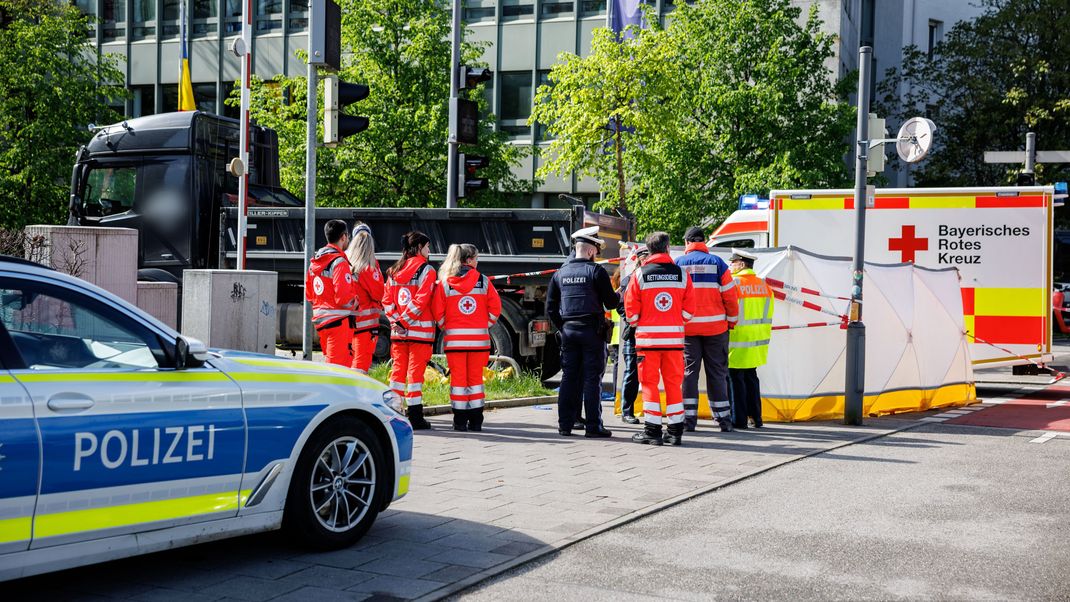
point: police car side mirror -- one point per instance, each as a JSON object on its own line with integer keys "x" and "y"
{"x": 189, "y": 353}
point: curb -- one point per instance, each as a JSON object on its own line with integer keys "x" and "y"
{"x": 494, "y": 404}
{"x": 459, "y": 586}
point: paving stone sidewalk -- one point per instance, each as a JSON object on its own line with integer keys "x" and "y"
{"x": 480, "y": 503}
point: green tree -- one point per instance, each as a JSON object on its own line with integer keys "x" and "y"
{"x": 401, "y": 50}
{"x": 758, "y": 110}
{"x": 987, "y": 83}
{"x": 607, "y": 110}
{"x": 52, "y": 86}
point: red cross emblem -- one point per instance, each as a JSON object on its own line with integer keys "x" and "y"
{"x": 908, "y": 244}
{"x": 467, "y": 305}
{"x": 663, "y": 301}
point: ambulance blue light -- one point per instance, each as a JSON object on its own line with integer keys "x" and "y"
{"x": 1060, "y": 190}
{"x": 752, "y": 201}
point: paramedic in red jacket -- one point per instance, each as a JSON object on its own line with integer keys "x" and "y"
{"x": 329, "y": 286}
{"x": 368, "y": 284}
{"x": 658, "y": 301}
{"x": 407, "y": 298}
{"x": 467, "y": 306}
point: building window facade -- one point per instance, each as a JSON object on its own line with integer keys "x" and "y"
{"x": 268, "y": 16}
{"x": 936, "y": 35}
{"x": 144, "y": 25}
{"x": 298, "y": 15}
{"x": 513, "y": 10}
{"x": 514, "y": 105}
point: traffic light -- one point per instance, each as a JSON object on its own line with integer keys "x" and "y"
{"x": 1027, "y": 179}
{"x": 473, "y": 76}
{"x": 338, "y": 95}
{"x": 470, "y": 164}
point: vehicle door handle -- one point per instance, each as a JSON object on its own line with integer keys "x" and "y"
{"x": 69, "y": 402}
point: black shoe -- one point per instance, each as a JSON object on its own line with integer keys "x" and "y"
{"x": 690, "y": 428}
{"x": 462, "y": 428}
{"x": 475, "y": 420}
{"x": 759, "y": 424}
{"x": 690, "y": 424}
{"x": 600, "y": 433}
{"x": 739, "y": 427}
{"x": 651, "y": 435}
{"x": 579, "y": 425}
{"x": 726, "y": 427}
{"x": 564, "y": 433}
{"x": 674, "y": 435}
{"x": 416, "y": 418}
{"x": 629, "y": 419}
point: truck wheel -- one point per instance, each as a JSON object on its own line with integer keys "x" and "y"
{"x": 337, "y": 485}
{"x": 551, "y": 359}
{"x": 501, "y": 340}
{"x": 382, "y": 344}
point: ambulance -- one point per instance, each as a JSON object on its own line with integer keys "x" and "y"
{"x": 999, "y": 238}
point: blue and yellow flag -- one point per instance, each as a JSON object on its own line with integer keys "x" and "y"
{"x": 185, "y": 84}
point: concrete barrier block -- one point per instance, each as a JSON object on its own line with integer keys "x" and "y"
{"x": 230, "y": 309}
{"x": 106, "y": 257}
{"x": 160, "y": 300}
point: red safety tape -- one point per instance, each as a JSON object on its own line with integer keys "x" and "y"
{"x": 545, "y": 272}
{"x": 1056, "y": 376}
{"x": 798, "y": 289}
{"x": 842, "y": 324}
{"x": 806, "y": 304}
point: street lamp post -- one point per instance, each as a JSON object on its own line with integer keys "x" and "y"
{"x": 855, "y": 378}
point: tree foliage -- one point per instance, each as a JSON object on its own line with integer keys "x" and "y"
{"x": 607, "y": 110}
{"x": 989, "y": 82}
{"x": 52, "y": 86}
{"x": 732, "y": 97}
{"x": 401, "y": 50}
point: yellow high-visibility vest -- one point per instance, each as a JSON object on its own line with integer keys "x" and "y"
{"x": 748, "y": 342}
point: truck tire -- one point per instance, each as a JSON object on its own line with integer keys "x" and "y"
{"x": 337, "y": 485}
{"x": 501, "y": 340}
{"x": 551, "y": 359}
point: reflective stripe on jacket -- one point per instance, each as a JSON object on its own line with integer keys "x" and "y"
{"x": 748, "y": 342}
{"x": 369, "y": 289}
{"x": 659, "y": 299}
{"x": 716, "y": 297}
{"x": 330, "y": 287}
{"x": 466, "y": 306}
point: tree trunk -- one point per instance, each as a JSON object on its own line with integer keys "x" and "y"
{"x": 621, "y": 204}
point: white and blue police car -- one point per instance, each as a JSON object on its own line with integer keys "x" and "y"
{"x": 119, "y": 436}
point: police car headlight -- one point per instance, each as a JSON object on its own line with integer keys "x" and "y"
{"x": 393, "y": 401}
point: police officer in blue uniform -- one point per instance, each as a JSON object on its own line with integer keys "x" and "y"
{"x": 579, "y": 295}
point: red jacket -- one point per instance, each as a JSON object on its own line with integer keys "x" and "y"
{"x": 329, "y": 285}
{"x": 369, "y": 288}
{"x": 716, "y": 295}
{"x": 467, "y": 305}
{"x": 407, "y": 300}
{"x": 658, "y": 301}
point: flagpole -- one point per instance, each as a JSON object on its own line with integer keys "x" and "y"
{"x": 243, "y": 143}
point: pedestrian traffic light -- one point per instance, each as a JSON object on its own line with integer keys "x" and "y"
{"x": 338, "y": 95}
{"x": 473, "y": 76}
{"x": 470, "y": 164}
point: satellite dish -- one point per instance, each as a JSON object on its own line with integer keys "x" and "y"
{"x": 915, "y": 139}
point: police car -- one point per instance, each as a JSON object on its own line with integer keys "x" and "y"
{"x": 118, "y": 436}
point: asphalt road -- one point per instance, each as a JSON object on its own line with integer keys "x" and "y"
{"x": 938, "y": 512}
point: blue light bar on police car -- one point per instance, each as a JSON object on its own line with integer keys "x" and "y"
{"x": 752, "y": 201}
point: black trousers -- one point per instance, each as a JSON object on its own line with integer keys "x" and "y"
{"x": 711, "y": 353}
{"x": 583, "y": 360}
{"x": 746, "y": 396}
{"x": 631, "y": 376}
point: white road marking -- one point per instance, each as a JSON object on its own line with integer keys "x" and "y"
{"x": 1056, "y": 404}
{"x": 1044, "y": 438}
{"x": 932, "y": 419}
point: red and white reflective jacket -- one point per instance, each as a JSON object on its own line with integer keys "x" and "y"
{"x": 369, "y": 289}
{"x": 658, "y": 301}
{"x": 407, "y": 300}
{"x": 716, "y": 295}
{"x": 467, "y": 305}
{"x": 329, "y": 285}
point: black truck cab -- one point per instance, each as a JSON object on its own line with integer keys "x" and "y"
{"x": 166, "y": 176}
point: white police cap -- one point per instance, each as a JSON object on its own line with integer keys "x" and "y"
{"x": 741, "y": 254}
{"x": 589, "y": 235}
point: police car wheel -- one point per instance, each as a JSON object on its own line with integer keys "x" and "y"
{"x": 336, "y": 487}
